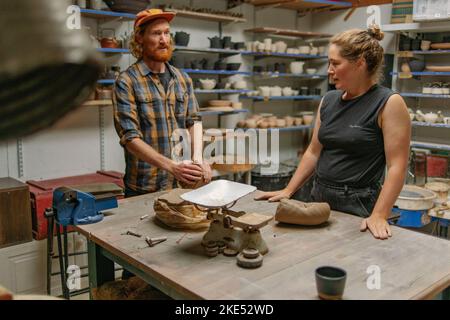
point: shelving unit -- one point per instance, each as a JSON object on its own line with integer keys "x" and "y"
{"x": 289, "y": 129}
{"x": 398, "y": 77}
{"x": 91, "y": 103}
{"x": 422, "y": 27}
{"x": 423, "y": 73}
{"x": 205, "y": 16}
{"x": 208, "y": 50}
{"x": 423, "y": 95}
{"x": 215, "y": 113}
{"x": 108, "y": 15}
{"x": 294, "y": 75}
{"x": 431, "y": 125}
{"x": 103, "y": 14}
{"x": 112, "y": 50}
{"x": 287, "y": 32}
{"x": 282, "y": 55}
{"x": 428, "y": 145}
{"x": 216, "y": 72}
{"x": 221, "y": 91}
{"x": 431, "y": 52}
{"x": 279, "y": 98}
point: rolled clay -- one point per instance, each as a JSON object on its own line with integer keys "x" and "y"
{"x": 302, "y": 213}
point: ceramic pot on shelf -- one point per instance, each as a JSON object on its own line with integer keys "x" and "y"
{"x": 182, "y": 38}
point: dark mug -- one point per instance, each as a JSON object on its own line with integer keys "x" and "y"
{"x": 317, "y": 91}
{"x": 258, "y": 69}
{"x": 195, "y": 64}
{"x": 330, "y": 282}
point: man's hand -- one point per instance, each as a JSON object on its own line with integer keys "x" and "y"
{"x": 207, "y": 172}
{"x": 186, "y": 172}
{"x": 274, "y": 196}
{"x": 378, "y": 226}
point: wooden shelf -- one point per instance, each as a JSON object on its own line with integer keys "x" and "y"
{"x": 426, "y": 124}
{"x": 423, "y": 73}
{"x": 216, "y": 72}
{"x": 295, "y": 75}
{"x": 221, "y": 91}
{"x": 303, "y": 5}
{"x": 208, "y": 50}
{"x": 424, "y": 95}
{"x": 113, "y": 50}
{"x": 295, "y": 128}
{"x": 102, "y": 14}
{"x": 428, "y": 145}
{"x": 283, "y": 55}
{"x": 217, "y": 113}
{"x": 205, "y": 16}
{"x": 422, "y": 27}
{"x": 90, "y": 103}
{"x": 275, "y": 98}
{"x": 288, "y": 32}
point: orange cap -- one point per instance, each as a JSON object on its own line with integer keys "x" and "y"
{"x": 151, "y": 14}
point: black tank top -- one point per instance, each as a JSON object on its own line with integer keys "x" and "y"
{"x": 353, "y": 144}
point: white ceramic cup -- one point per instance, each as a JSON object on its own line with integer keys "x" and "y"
{"x": 425, "y": 45}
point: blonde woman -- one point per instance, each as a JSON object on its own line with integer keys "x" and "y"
{"x": 360, "y": 128}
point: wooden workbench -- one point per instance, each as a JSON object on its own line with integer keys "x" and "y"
{"x": 412, "y": 265}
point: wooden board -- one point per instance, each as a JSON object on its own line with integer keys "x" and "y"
{"x": 205, "y": 16}
{"x": 15, "y": 212}
{"x": 287, "y": 32}
{"x": 413, "y": 265}
{"x": 438, "y": 68}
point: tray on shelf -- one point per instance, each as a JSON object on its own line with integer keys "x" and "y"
{"x": 438, "y": 68}
{"x": 441, "y": 46}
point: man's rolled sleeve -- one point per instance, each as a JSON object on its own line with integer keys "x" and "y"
{"x": 126, "y": 119}
{"x": 192, "y": 107}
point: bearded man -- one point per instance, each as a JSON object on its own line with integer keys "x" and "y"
{"x": 151, "y": 100}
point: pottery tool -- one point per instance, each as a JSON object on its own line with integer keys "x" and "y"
{"x": 236, "y": 229}
{"x": 131, "y": 233}
{"x": 154, "y": 241}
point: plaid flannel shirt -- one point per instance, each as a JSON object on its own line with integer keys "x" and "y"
{"x": 142, "y": 109}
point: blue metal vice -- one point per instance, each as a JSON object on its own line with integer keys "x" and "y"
{"x": 73, "y": 207}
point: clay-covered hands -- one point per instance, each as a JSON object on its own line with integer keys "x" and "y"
{"x": 378, "y": 226}
{"x": 207, "y": 172}
{"x": 190, "y": 173}
{"x": 274, "y": 196}
{"x": 187, "y": 172}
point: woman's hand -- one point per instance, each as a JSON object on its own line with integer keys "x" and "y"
{"x": 274, "y": 196}
{"x": 378, "y": 226}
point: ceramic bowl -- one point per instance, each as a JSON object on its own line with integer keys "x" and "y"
{"x": 330, "y": 282}
{"x": 311, "y": 70}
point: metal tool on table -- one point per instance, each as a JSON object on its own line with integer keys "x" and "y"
{"x": 72, "y": 207}
{"x": 239, "y": 230}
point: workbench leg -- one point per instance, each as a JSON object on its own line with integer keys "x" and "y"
{"x": 101, "y": 269}
{"x": 446, "y": 294}
{"x": 248, "y": 177}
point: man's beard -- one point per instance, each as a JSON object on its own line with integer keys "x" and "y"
{"x": 159, "y": 56}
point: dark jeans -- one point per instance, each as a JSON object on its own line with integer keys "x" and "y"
{"x": 357, "y": 201}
